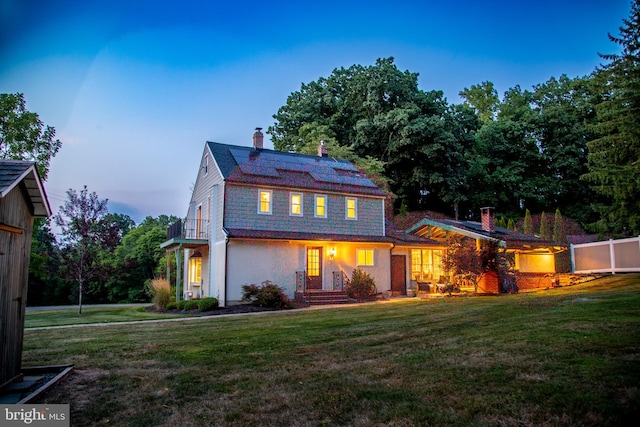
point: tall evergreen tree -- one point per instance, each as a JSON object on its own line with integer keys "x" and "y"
{"x": 559, "y": 230}
{"x": 546, "y": 226}
{"x": 527, "y": 227}
{"x": 614, "y": 157}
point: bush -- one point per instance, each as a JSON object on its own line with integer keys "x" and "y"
{"x": 208, "y": 304}
{"x": 362, "y": 286}
{"x": 190, "y": 305}
{"x": 180, "y": 304}
{"x": 172, "y": 305}
{"x": 267, "y": 294}
{"x": 160, "y": 292}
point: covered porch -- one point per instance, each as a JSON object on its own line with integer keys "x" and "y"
{"x": 188, "y": 241}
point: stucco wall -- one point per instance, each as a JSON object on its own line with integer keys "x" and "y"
{"x": 252, "y": 262}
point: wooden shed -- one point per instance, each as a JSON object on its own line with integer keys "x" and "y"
{"x": 22, "y": 198}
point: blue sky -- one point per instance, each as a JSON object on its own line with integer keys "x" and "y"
{"x": 135, "y": 88}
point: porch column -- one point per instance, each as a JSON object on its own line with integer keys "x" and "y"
{"x": 178, "y": 272}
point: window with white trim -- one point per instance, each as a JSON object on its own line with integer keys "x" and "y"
{"x": 265, "y": 202}
{"x": 351, "y": 208}
{"x": 295, "y": 204}
{"x": 426, "y": 264}
{"x": 320, "y": 206}
{"x": 364, "y": 257}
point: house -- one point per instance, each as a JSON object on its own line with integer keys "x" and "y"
{"x": 306, "y": 222}
{"x": 534, "y": 260}
{"x": 22, "y": 198}
{"x": 303, "y": 222}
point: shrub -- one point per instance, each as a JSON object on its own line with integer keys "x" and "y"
{"x": 190, "y": 305}
{"x": 362, "y": 286}
{"x": 180, "y": 304}
{"x": 160, "y": 292}
{"x": 208, "y": 304}
{"x": 172, "y": 305}
{"x": 267, "y": 294}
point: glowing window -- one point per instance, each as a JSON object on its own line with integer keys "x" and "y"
{"x": 426, "y": 264}
{"x": 364, "y": 257}
{"x": 264, "y": 202}
{"x": 295, "y": 204}
{"x": 321, "y": 206}
{"x": 195, "y": 270}
{"x": 351, "y": 208}
{"x": 313, "y": 262}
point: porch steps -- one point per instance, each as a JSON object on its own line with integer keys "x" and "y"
{"x": 322, "y": 297}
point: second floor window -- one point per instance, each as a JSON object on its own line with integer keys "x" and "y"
{"x": 295, "y": 204}
{"x": 351, "y": 208}
{"x": 321, "y": 206}
{"x": 265, "y": 202}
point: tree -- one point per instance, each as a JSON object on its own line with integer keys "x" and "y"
{"x": 80, "y": 220}
{"x": 614, "y": 154}
{"x": 564, "y": 111}
{"x": 137, "y": 259}
{"x": 45, "y": 285}
{"x": 23, "y": 136}
{"x": 528, "y": 223}
{"x": 546, "y": 226}
{"x": 484, "y": 99}
{"x": 559, "y": 229}
{"x": 379, "y": 112}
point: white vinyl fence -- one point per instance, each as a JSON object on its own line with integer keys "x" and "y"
{"x": 611, "y": 256}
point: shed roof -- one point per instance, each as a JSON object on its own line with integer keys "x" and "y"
{"x": 15, "y": 172}
{"x": 248, "y": 165}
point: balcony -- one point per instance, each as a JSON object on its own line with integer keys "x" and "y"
{"x": 187, "y": 233}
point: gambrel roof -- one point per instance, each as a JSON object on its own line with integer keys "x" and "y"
{"x": 15, "y": 172}
{"x": 248, "y": 165}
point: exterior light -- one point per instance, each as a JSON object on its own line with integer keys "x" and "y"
{"x": 332, "y": 252}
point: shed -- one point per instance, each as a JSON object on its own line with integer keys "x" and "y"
{"x": 22, "y": 198}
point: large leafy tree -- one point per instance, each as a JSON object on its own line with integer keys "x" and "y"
{"x": 138, "y": 258}
{"x": 505, "y": 162}
{"x": 484, "y": 99}
{"x": 614, "y": 155}
{"x": 23, "y": 136}
{"x": 564, "y": 109}
{"x": 379, "y": 112}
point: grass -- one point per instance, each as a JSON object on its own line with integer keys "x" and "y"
{"x": 568, "y": 356}
{"x": 44, "y": 318}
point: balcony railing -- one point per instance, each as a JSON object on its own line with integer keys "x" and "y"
{"x": 189, "y": 229}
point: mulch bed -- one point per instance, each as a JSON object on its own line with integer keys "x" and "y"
{"x": 232, "y": 309}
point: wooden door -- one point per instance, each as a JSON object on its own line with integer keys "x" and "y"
{"x": 399, "y": 274}
{"x": 314, "y": 267}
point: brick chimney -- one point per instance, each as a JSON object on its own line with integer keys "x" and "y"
{"x": 323, "y": 151}
{"x": 258, "y": 138}
{"x": 488, "y": 219}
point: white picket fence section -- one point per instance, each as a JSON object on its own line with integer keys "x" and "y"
{"x": 610, "y": 256}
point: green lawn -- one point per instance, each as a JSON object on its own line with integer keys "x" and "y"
{"x": 42, "y": 318}
{"x": 562, "y": 357}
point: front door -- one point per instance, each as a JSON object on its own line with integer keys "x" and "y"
{"x": 314, "y": 267}
{"x": 398, "y": 274}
